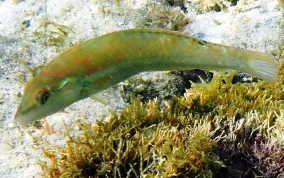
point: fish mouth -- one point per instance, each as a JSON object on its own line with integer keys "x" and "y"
{"x": 24, "y": 117}
{"x": 19, "y": 118}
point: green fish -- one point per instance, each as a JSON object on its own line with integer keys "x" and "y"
{"x": 99, "y": 63}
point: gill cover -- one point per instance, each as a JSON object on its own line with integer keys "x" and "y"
{"x": 44, "y": 97}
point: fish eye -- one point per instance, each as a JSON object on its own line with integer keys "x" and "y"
{"x": 42, "y": 97}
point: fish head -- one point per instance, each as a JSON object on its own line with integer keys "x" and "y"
{"x": 44, "y": 96}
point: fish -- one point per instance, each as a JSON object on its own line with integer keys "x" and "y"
{"x": 97, "y": 64}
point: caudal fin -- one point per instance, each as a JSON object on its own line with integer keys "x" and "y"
{"x": 263, "y": 66}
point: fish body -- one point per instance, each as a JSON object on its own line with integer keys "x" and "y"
{"x": 101, "y": 62}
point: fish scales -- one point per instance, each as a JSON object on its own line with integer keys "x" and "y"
{"x": 101, "y": 62}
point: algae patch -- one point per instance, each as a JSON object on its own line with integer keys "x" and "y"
{"x": 142, "y": 141}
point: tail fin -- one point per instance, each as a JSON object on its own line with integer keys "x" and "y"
{"x": 263, "y": 66}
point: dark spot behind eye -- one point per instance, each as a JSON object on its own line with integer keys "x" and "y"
{"x": 42, "y": 97}
{"x": 202, "y": 42}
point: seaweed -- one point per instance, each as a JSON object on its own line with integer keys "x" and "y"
{"x": 143, "y": 140}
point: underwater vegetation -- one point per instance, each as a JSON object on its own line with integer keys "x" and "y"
{"x": 216, "y": 129}
{"x": 141, "y": 141}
